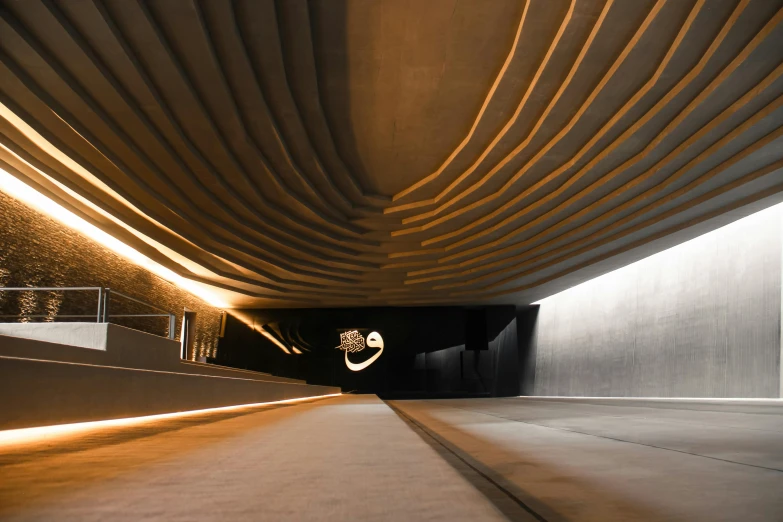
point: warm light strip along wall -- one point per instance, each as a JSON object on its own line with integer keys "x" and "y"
{"x": 672, "y": 399}
{"x": 250, "y": 323}
{"x": 77, "y": 169}
{"x": 269, "y": 336}
{"x": 28, "y": 195}
{"x": 24, "y": 435}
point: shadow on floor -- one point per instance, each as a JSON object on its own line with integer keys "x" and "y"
{"x": 563, "y": 490}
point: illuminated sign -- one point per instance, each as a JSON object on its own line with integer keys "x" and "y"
{"x": 353, "y": 341}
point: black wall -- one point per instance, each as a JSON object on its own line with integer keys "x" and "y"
{"x": 424, "y": 349}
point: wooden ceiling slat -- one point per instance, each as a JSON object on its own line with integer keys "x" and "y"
{"x": 215, "y": 129}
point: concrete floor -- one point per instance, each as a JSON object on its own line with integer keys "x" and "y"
{"x": 353, "y": 458}
{"x": 600, "y": 460}
{"x": 343, "y": 458}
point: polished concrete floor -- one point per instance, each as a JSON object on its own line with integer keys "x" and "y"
{"x": 356, "y": 458}
{"x": 618, "y": 459}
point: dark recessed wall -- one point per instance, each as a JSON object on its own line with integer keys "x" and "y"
{"x": 36, "y": 250}
{"x": 424, "y": 349}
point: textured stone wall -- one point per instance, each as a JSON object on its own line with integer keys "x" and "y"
{"x": 699, "y": 320}
{"x": 36, "y": 250}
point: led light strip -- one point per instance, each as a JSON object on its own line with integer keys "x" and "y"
{"x": 673, "y": 399}
{"x": 28, "y": 195}
{"x": 272, "y": 338}
{"x": 45, "y": 432}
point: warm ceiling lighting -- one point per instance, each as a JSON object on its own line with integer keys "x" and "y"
{"x": 26, "y": 435}
{"x": 28, "y": 195}
{"x": 248, "y": 321}
{"x": 273, "y": 339}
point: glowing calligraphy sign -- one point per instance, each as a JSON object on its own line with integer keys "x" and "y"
{"x": 353, "y": 341}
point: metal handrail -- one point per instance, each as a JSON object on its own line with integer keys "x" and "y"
{"x": 47, "y": 315}
{"x": 115, "y": 292}
{"x": 102, "y": 315}
{"x": 108, "y": 291}
{"x": 49, "y": 288}
{"x": 57, "y": 288}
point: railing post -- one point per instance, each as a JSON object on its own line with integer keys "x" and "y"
{"x": 172, "y": 326}
{"x": 106, "y": 305}
{"x": 100, "y": 299}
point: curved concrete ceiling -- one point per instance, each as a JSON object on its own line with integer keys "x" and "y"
{"x": 351, "y": 152}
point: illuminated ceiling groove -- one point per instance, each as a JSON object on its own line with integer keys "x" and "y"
{"x": 341, "y": 152}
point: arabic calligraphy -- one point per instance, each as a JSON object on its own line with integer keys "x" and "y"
{"x": 352, "y": 342}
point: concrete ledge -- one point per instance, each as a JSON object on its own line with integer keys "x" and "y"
{"x": 92, "y": 336}
{"x": 123, "y": 347}
{"x": 40, "y": 392}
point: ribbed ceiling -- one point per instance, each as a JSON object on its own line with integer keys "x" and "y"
{"x": 400, "y": 152}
